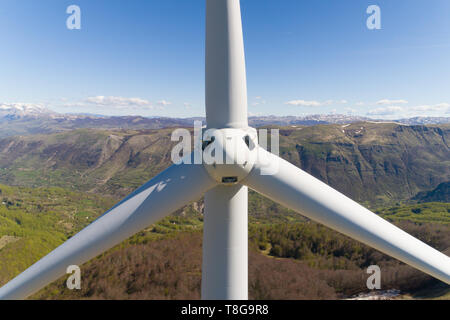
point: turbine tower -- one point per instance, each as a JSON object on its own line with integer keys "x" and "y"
{"x": 225, "y": 249}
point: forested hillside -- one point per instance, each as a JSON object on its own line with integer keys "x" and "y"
{"x": 300, "y": 260}
{"x": 375, "y": 164}
{"x": 54, "y": 185}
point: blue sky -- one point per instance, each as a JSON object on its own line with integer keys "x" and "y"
{"x": 303, "y": 57}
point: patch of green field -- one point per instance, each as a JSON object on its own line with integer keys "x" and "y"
{"x": 439, "y": 291}
{"x": 35, "y": 221}
{"x": 435, "y": 212}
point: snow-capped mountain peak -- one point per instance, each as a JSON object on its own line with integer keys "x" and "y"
{"x": 23, "y": 110}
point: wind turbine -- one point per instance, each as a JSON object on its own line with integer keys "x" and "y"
{"x": 225, "y": 246}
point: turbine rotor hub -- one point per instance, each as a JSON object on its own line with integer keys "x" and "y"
{"x": 229, "y": 154}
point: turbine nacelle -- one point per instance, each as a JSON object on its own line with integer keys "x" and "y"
{"x": 229, "y": 154}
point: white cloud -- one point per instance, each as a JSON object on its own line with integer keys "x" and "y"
{"x": 314, "y": 103}
{"x": 351, "y": 110}
{"x": 391, "y": 102}
{"x": 118, "y": 102}
{"x": 440, "y": 107}
{"x": 386, "y": 111}
{"x": 164, "y": 103}
{"x": 259, "y": 100}
{"x": 187, "y": 105}
{"x": 360, "y": 104}
{"x": 24, "y": 108}
{"x": 21, "y": 106}
{"x": 304, "y": 103}
{"x": 429, "y": 110}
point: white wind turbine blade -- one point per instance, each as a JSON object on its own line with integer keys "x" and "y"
{"x": 314, "y": 199}
{"x": 226, "y": 87}
{"x": 169, "y": 191}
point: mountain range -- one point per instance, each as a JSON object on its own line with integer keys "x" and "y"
{"x": 24, "y": 119}
{"x": 54, "y": 180}
{"x": 440, "y": 194}
{"x": 373, "y": 163}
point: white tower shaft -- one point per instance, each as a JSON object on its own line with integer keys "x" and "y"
{"x": 225, "y": 244}
{"x": 225, "y": 239}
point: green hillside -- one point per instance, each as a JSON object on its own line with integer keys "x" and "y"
{"x": 430, "y": 212}
{"x": 54, "y": 185}
{"x": 304, "y": 261}
{"x": 441, "y": 194}
{"x": 375, "y": 164}
{"x": 35, "y": 221}
{"x": 164, "y": 260}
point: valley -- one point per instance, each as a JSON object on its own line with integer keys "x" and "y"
{"x": 53, "y": 185}
{"x": 375, "y": 164}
